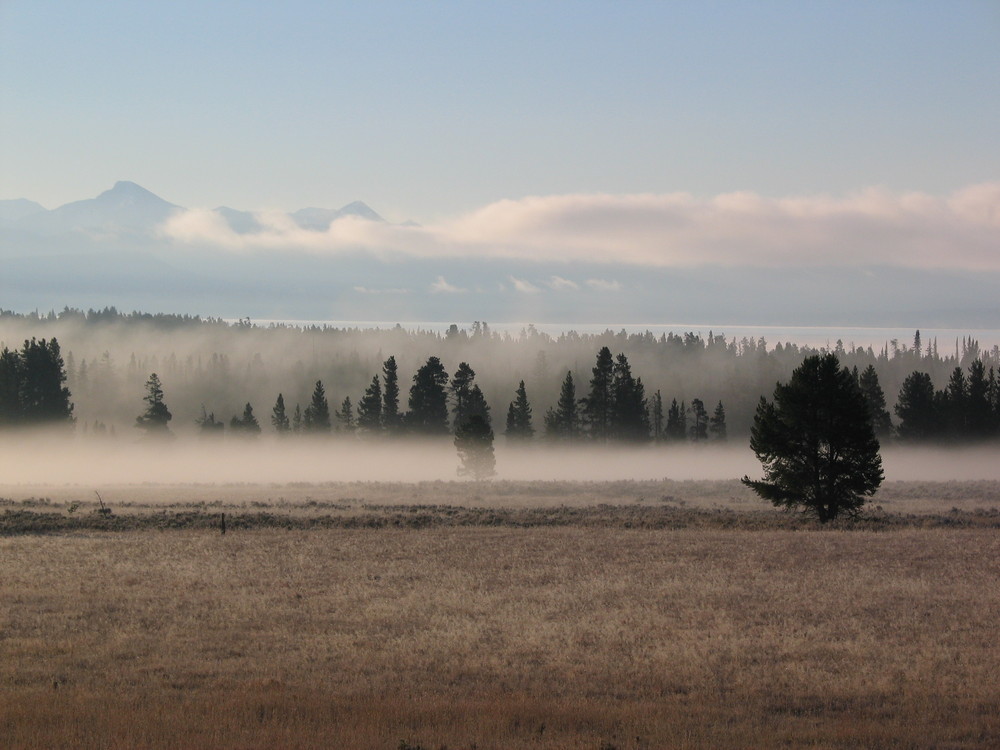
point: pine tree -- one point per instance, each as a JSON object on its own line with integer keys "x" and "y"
{"x": 917, "y": 409}
{"x": 390, "y": 397}
{"x": 428, "y": 413}
{"x": 247, "y": 425}
{"x": 461, "y": 385}
{"x": 629, "y": 415}
{"x": 979, "y": 410}
{"x": 676, "y": 421}
{"x": 658, "y": 417}
{"x": 279, "y": 419}
{"x": 370, "y": 409}
{"x": 208, "y": 426}
{"x": 955, "y": 405}
{"x": 519, "y": 426}
{"x": 563, "y": 422}
{"x": 599, "y": 403}
{"x": 297, "y": 420}
{"x": 10, "y": 388}
{"x": 41, "y": 374}
{"x": 154, "y": 419}
{"x": 717, "y": 424}
{"x": 875, "y": 398}
{"x": 699, "y": 427}
{"x": 316, "y": 418}
{"x": 345, "y": 416}
{"x": 474, "y": 442}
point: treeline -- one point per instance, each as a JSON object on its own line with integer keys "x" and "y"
{"x": 222, "y": 367}
{"x": 614, "y": 409}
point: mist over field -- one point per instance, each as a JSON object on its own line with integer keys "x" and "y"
{"x": 42, "y": 459}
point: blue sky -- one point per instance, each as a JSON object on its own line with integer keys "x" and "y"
{"x": 429, "y": 111}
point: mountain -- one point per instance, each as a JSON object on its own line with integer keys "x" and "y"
{"x": 14, "y": 210}
{"x": 126, "y": 208}
{"x": 320, "y": 219}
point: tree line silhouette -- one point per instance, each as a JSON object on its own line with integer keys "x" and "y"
{"x": 705, "y": 387}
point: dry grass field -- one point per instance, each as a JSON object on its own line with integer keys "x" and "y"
{"x": 560, "y": 635}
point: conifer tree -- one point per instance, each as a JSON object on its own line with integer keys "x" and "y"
{"x": 519, "y": 417}
{"x": 370, "y": 409}
{"x": 461, "y": 385}
{"x": 676, "y": 421}
{"x": 658, "y": 416}
{"x": 208, "y": 426}
{"x": 699, "y": 425}
{"x": 390, "y": 397}
{"x": 40, "y": 375}
{"x": 345, "y": 416}
{"x": 717, "y": 424}
{"x": 316, "y": 418}
{"x": 10, "y": 387}
{"x": 428, "y": 413}
{"x": 599, "y": 403}
{"x": 917, "y": 409}
{"x": 979, "y": 410}
{"x": 297, "y": 419}
{"x": 279, "y": 419}
{"x": 156, "y": 416}
{"x": 563, "y": 422}
{"x": 875, "y": 398}
{"x": 629, "y": 416}
{"x": 247, "y": 425}
{"x": 474, "y": 442}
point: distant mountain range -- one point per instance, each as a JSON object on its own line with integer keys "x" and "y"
{"x": 107, "y": 251}
{"x": 128, "y": 209}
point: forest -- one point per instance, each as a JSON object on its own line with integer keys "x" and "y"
{"x": 107, "y": 372}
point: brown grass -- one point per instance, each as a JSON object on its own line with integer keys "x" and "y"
{"x": 545, "y": 637}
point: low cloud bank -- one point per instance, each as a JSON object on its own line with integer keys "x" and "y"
{"x": 873, "y": 227}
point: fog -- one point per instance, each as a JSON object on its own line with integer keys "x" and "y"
{"x": 40, "y": 459}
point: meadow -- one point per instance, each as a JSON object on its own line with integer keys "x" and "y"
{"x": 506, "y": 614}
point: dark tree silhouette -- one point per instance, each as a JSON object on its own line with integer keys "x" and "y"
{"x": 875, "y": 398}
{"x": 474, "y": 442}
{"x": 658, "y": 416}
{"x": 676, "y": 421}
{"x": 629, "y": 414}
{"x": 917, "y": 409}
{"x": 279, "y": 419}
{"x": 316, "y": 418}
{"x": 154, "y": 419}
{"x": 297, "y": 419}
{"x": 519, "y": 426}
{"x": 717, "y": 424}
{"x": 10, "y": 388}
{"x": 428, "y": 414}
{"x": 981, "y": 418}
{"x": 816, "y": 442}
{"x": 599, "y": 404}
{"x": 461, "y": 385}
{"x": 31, "y": 385}
{"x": 563, "y": 422}
{"x": 390, "y": 397}
{"x": 208, "y": 425}
{"x": 246, "y": 425}
{"x": 345, "y": 416}
{"x": 699, "y": 424}
{"x": 370, "y": 409}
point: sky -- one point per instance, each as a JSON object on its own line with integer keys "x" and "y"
{"x": 448, "y": 112}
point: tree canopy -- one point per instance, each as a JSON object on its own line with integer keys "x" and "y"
{"x": 816, "y": 442}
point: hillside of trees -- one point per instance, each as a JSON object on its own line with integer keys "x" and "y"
{"x": 217, "y": 378}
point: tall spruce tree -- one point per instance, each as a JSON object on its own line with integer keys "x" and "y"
{"x": 629, "y": 412}
{"x": 428, "y": 413}
{"x": 875, "y": 398}
{"x": 461, "y": 385}
{"x": 519, "y": 426}
{"x": 676, "y": 421}
{"x": 370, "y": 409}
{"x": 245, "y": 425}
{"x": 316, "y": 417}
{"x": 717, "y": 424}
{"x": 598, "y": 406}
{"x": 474, "y": 442}
{"x": 657, "y": 417}
{"x": 918, "y": 409}
{"x": 979, "y": 409}
{"x": 563, "y": 422}
{"x": 279, "y": 419}
{"x": 699, "y": 421}
{"x": 10, "y": 388}
{"x": 156, "y": 416}
{"x": 43, "y": 398}
{"x": 390, "y": 397}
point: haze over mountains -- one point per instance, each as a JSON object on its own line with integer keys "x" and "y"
{"x": 130, "y": 248}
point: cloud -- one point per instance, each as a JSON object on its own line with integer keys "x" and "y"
{"x": 558, "y": 283}
{"x": 440, "y": 286}
{"x": 870, "y": 227}
{"x": 601, "y": 285}
{"x": 391, "y": 290}
{"x": 525, "y": 287}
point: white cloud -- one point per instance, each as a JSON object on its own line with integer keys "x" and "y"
{"x": 525, "y": 287}
{"x": 870, "y": 227}
{"x": 440, "y": 286}
{"x": 603, "y": 285}
{"x": 558, "y": 283}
